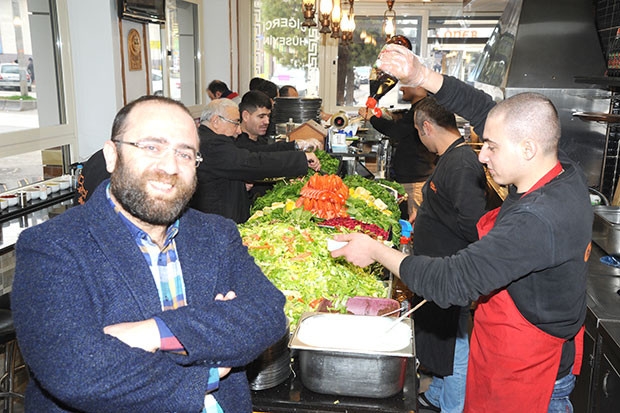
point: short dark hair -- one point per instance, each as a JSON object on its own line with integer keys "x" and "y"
{"x": 218, "y": 86}
{"x": 284, "y": 90}
{"x": 269, "y": 88}
{"x": 253, "y": 100}
{"x": 429, "y": 110}
{"x": 120, "y": 120}
{"x": 255, "y": 82}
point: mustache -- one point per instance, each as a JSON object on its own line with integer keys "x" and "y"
{"x": 161, "y": 176}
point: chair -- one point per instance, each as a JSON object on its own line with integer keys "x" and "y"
{"x": 8, "y": 346}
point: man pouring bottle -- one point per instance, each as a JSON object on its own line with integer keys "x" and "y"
{"x": 528, "y": 270}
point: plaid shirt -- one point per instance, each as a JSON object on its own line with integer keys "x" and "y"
{"x": 166, "y": 270}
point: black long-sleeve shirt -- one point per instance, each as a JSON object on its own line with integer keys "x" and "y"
{"x": 226, "y": 168}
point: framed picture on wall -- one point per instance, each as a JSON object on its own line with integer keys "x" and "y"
{"x": 134, "y": 49}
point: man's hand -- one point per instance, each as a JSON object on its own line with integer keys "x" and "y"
{"x": 358, "y": 251}
{"x": 313, "y": 161}
{"x": 362, "y": 251}
{"x": 309, "y": 145}
{"x": 408, "y": 68}
{"x": 229, "y": 296}
{"x": 402, "y": 63}
{"x": 412, "y": 216}
{"x": 138, "y": 334}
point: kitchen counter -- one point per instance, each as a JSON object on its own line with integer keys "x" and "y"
{"x": 603, "y": 287}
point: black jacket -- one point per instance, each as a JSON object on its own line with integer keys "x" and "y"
{"x": 411, "y": 161}
{"x": 226, "y": 168}
{"x": 454, "y": 201}
{"x": 261, "y": 145}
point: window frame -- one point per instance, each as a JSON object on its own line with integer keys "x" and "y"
{"x": 41, "y": 138}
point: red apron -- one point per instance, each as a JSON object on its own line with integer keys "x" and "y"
{"x": 512, "y": 363}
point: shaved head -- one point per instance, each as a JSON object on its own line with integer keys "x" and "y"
{"x": 530, "y": 115}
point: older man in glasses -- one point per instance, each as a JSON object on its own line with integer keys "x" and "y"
{"x": 134, "y": 303}
{"x": 228, "y": 172}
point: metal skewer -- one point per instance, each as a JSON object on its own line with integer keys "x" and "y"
{"x": 407, "y": 314}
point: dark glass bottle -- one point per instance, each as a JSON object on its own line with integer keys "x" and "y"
{"x": 381, "y": 83}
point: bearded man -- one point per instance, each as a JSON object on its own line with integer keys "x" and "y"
{"x": 134, "y": 303}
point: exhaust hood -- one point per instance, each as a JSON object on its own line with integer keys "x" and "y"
{"x": 539, "y": 44}
{"x": 542, "y": 46}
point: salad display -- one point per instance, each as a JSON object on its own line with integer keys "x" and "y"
{"x": 288, "y": 231}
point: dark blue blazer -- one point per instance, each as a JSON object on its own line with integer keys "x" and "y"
{"x": 82, "y": 271}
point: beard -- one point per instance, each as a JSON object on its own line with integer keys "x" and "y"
{"x": 130, "y": 191}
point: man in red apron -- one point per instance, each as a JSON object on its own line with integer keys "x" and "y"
{"x": 527, "y": 271}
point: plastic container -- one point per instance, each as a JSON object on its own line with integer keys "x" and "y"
{"x": 405, "y": 236}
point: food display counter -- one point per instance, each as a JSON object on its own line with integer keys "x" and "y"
{"x": 15, "y": 219}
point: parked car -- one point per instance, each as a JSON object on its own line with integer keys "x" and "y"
{"x": 10, "y": 76}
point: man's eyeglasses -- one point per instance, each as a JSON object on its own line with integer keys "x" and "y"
{"x": 234, "y": 122}
{"x": 157, "y": 150}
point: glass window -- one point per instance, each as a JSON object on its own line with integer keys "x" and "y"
{"x": 174, "y": 54}
{"x": 30, "y": 80}
{"x": 455, "y": 43}
{"x": 449, "y": 36}
{"x": 285, "y": 51}
{"x": 35, "y": 132}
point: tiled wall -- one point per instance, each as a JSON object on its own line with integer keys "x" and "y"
{"x": 607, "y": 23}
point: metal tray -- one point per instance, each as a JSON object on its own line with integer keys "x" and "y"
{"x": 606, "y": 228}
{"x": 351, "y": 370}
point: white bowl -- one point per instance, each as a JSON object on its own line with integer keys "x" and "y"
{"x": 34, "y": 192}
{"x": 53, "y": 186}
{"x": 64, "y": 184}
{"x": 11, "y": 199}
{"x": 4, "y": 204}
